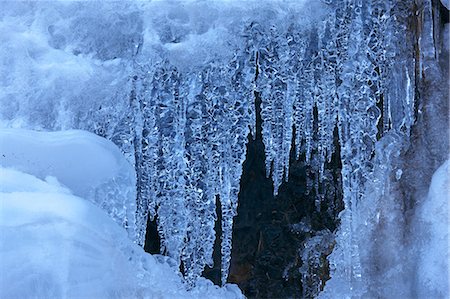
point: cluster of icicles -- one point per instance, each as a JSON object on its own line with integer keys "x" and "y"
{"x": 187, "y": 131}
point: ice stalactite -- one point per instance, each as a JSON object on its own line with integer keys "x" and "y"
{"x": 191, "y": 135}
{"x": 276, "y": 105}
{"x": 358, "y": 59}
{"x": 374, "y": 66}
{"x": 191, "y": 127}
{"x": 170, "y": 120}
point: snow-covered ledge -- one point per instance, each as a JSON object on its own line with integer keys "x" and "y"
{"x": 90, "y": 166}
{"x": 56, "y": 244}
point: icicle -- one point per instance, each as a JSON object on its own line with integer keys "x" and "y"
{"x": 190, "y": 127}
{"x": 326, "y": 100}
{"x": 171, "y": 164}
{"x": 200, "y": 199}
{"x": 298, "y": 44}
{"x": 240, "y": 111}
{"x": 276, "y": 107}
{"x": 309, "y": 93}
{"x": 369, "y": 74}
{"x": 145, "y": 157}
{"x": 184, "y": 123}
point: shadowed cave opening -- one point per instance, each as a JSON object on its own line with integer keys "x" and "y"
{"x": 265, "y": 257}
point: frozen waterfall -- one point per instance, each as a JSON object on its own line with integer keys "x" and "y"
{"x": 173, "y": 85}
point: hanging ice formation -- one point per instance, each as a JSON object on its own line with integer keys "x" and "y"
{"x": 191, "y": 138}
{"x": 189, "y": 108}
{"x": 190, "y": 126}
{"x": 356, "y": 68}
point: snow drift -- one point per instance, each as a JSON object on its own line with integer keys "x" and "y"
{"x": 90, "y": 166}
{"x": 432, "y": 237}
{"x": 55, "y": 244}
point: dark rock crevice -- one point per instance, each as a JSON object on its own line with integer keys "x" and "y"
{"x": 269, "y": 232}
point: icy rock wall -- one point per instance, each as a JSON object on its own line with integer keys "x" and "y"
{"x": 172, "y": 84}
{"x": 388, "y": 228}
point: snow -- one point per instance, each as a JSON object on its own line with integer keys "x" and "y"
{"x": 90, "y": 166}
{"x": 54, "y": 244}
{"x": 432, "y": 235}
{"x": 193, "y": 33}
{"x": 50, "y": 80}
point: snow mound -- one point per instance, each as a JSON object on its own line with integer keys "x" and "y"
{"x": 432, "y": 233}
{"x": 56, "y": 244}
{"x": 91, "y": 167}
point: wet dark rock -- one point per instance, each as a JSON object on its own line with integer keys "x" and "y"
{"x": 267, "y": 241}
{"x": 270, "y": 233}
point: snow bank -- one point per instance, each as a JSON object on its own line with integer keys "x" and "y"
{"x": 57, "y": 245}
{"x": 90, "y": 166}
{"x": 432, "y": 234}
